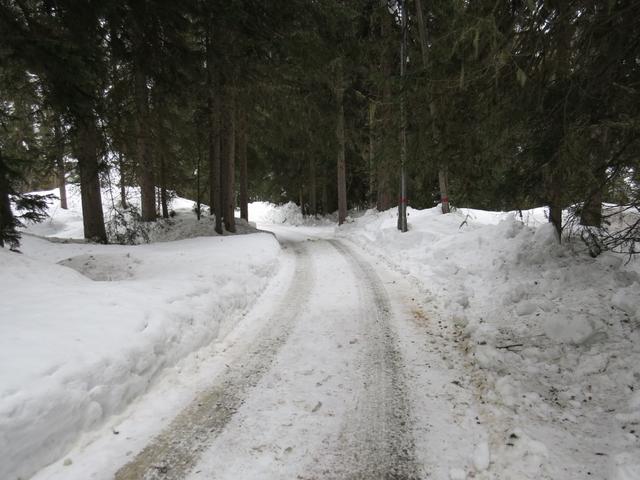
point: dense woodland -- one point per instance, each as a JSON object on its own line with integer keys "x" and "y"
{"x": 493, "y": 104}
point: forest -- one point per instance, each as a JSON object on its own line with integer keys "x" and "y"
{"x": 501, "y": 105}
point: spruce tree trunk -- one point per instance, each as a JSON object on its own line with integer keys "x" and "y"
{"x": 372, "y": 156}
{"x": 228, "y": 160}
{"x": 62, "y": 184}
{"x": 242, "y": 160}
{"x": 313, "y": 194}
{"x": 59, "y": 154}
{"x": 325, "y": 197}
{"x": 215, "y": 131}
{"x": 123, "y": 190}
{"x": 163, "y": 187}
{"x": 215, "y": 167}
{"x": 443, "y": 180}
{"x": 198, "y": 190}
{"x": 145, "y": 163}
{"x": 443, "y": 174}
{"x": 591, "y": 214}
{"x": 341, "y": 164}
{"x": 7, "y": 221}
{"x": 555, "y": 217}
{"x": 384, "y": 198}
{"x": 87, "y": 154}
{"x": 553, "y": 184}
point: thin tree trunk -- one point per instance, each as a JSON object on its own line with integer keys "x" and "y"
{"x": 87, "y": 154}
{"x": 145, "y": 163}
{"x": 402, "y": 206}
{"x": 443, "y": 180}
{"x": 341, "y": 164}
{"x": 198, "y": 198}
{"x": 123, "y": 190}
{"x": 242, "y": 160}
{"x": 443, "y": 174}
{"x": 384, "y": 198}
{"x": 7, "y": 220}
{"x": 214, "y": 109}
{"x": 228, "y": 161}
{"x": 59, "y": 154}
{"x": 553, "y": 187}
{"x": 555, "y": 217}
{"x": 62, "y": 184}
{"x": 591, "y": 214}
{"x": 372, "y": 155}
{"x": 163, "y": 187}
{"x": 215, "y": 164}
{"x": 313, "y": 194}
{"x": 325, "y": 197}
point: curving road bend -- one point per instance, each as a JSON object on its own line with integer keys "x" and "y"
{"x": 325, "y": 390}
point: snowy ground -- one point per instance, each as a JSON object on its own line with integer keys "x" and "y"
{"x": 86, "y": 329}
{"x": 472, "y": 346}
{"x": 552, "y": 335}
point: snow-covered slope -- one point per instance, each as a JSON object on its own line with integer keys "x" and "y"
{"x": 86, "y": 329}
{"x": 554, "y": 335}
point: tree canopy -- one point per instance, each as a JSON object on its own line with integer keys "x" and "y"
{"x": 509, "y": 105}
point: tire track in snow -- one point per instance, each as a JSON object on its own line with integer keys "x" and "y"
{"x": 376, "y": 440}
{"x": 175, "y": 451}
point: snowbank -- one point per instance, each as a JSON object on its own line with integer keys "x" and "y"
{"x": 554, "y": 335}
{"x": 86, "y": 329}
{"x": 287, "y": 214}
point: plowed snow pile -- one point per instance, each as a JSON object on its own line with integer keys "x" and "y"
{"x": 553, "y": 334}
{"x": 86, "y": 329}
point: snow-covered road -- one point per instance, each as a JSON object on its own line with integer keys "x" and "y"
{"x": 322, "y": 390}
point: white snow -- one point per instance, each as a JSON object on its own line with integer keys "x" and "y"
{"x": 534, "y": 347}
{"x": 553, "y": 335}
{"x": 87, "y": 329}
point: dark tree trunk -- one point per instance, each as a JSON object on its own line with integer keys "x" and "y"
{"x": 87, "y": 153}
{"x": 215, "y": 131}
{"x": 443, "y": 180}
{"x": 554, "y": 193}
{"x": 145, "y": 162}
{"x": 443, "y": 174}
{"x": 313, "y": 195}
{"x": 164, "y": 201}
{"x": 215, "y": 168}
{"x": 7, "y": 221}
{"x": 59, "y": 160}
{"x": 341, "y": 164}
{"x": 325, "y": 197}
{"x": 62, "y": 184}
{"x": 123, "y": 190}
{"x": 372, "y": 156}
{"x": 301, "y": 200}
{"x": 591, "y": 214}
{"x": 242, "y": 160}
{"x": 228, "y": 161}
{"x": 198, "y": 189}
{"x": 384, "y": 197}
{"x": 555, "y": 217}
